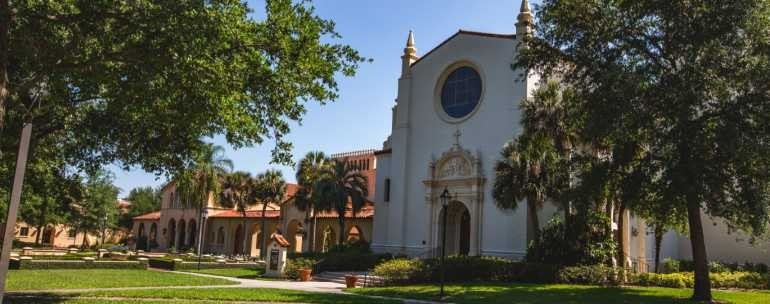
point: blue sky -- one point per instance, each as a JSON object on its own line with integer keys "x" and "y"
{"x": 360, "y": 118}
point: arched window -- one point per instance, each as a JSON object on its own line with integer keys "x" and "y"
{"x": 221, "y": 236}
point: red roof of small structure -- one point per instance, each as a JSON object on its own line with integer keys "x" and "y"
{"x": 148, "y": 216}
{"x": 280, "y": 240}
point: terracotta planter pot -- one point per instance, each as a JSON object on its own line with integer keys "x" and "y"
{"x": 304, "y": 274}
{"x": 351, "y": 280}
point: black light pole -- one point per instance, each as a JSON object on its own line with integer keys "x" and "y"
{"x": 445, "y": 196}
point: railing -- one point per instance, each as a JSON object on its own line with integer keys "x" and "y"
{"x": 353, "y": 153}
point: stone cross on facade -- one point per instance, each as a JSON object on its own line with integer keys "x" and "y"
{"x": 456, "y": 135}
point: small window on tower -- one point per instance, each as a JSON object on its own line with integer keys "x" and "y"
{"x": 387, "y": 189}
{"x": 24, "y": 231}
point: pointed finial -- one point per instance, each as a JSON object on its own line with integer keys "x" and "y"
{"x": 524, "y": 6}
{"x": 410, "y": 39}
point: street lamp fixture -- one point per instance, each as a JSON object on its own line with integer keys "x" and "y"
{"x": 445, "y": 197}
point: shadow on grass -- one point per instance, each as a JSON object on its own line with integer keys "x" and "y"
{"x": 534, "y": 294}
{"x": 36, "y": 298}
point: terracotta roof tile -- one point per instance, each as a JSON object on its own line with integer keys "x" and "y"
{"x": 249, "y": 214}
{"x": 148, "y": 216}
{"x": 280, "y": 240}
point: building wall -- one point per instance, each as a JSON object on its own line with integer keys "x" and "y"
{"x": 61, "y": 237}
{"x": 420, "y": 136}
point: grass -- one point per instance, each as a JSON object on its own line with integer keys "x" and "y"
{"x": 206, "y": 294}
{"x": 241, "y": 273}
{"x": 481, "y": 293}
{"x": 102, "y": 278}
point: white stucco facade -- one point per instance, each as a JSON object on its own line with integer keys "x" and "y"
{"x": 429, "y": 151}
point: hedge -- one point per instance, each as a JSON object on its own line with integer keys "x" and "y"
{"x": 74, "y": 264}
{"x": 737, "y": 279}
{"x": 463, "y": 269}
{"x": 182, "y": 265}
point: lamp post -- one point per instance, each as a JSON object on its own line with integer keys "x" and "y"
{"x": 104, "y": 228}
{"x": 204, "y": 216}
{"x": 445, "y": 197}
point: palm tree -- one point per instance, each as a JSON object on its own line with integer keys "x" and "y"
{"x": 309, "y": 172}
{"x": 197, "y": 182}
{"x": 270, "y": 189}
{"x": 239, "y": 191}
{"x": 526, "y": 172}
{"x": 547, "y": 113}
{"x": 341, "y": 184}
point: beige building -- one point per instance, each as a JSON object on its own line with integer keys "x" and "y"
{"x": 227, "y": 231}
{"x": 63, "y": 235}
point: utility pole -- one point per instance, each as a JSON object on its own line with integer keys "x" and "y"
{"x": 13, "y": 208}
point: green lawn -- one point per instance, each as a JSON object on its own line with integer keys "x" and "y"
{"x": 566, "y": 294}
{"x": 102, "y": 278}
{"x": 209, "y": 294}
{"x": 241, "y": 273}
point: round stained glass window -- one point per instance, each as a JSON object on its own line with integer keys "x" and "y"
{"x": 461, "y": 92}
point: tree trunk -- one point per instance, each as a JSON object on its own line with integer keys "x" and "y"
{"x": 5, "y": 28}
{"x": 341, "y": 219}
{"x": 622, "y": 253}
{"x": 702, "y": 286}
{"x": 658, "y": 241}
{"x": 245, "y": 240}
{"x": 39, "y": 234}
{"x": 312, "y": 234}
{"x": 85, "y": 239}
{"x": 263, "y": 245}
{"x": 534, "y": 221}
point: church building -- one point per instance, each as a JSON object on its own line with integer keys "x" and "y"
{"x": 457, "y": 106}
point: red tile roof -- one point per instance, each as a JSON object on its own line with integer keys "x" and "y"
{"x": 148, "y": 216}
{"x": 280, "y": 240}
{"x": 249, "y": 214}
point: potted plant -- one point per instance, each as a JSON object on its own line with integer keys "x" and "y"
{"x": 351, "y": 280}
{"x": 304, "y": 274}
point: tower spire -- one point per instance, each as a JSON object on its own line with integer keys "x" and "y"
{"x": 525, "y": 20}
{"x": 409, "y": 57}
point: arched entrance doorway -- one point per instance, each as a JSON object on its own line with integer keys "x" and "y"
{"x": 48, "y": 233}
{"x": 181, "y": 245}
{"x": 192, "y": 234}
{"x": 238, "y": 240}
{"x": 171, "y": 238}
{"x": 458, "y": 229}
{"x": 295, "y": 234}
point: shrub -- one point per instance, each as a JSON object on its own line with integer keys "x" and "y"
{"x": 585, "y": 242}
{"x": 351, "y": 261}
{"x": 591, "y": 274}
{"x": 463, "y": 269}
{"x": 669, "y": 266}
{"x": 745, "y": 280}
{"x": 399, "y": 271}
{"x": 717, "y": 267}
{"x": 71, "y": 264}
{"x": 673, "y": 280}
{"x": 292, "y": 267}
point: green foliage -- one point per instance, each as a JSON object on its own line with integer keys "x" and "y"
{"x": 464, "y": 269}
{"x": 341, "y": 188}
{"x": 399, "y": 271}
{"x": 143, "y": 200}
{"x": 292, "y": 267}
{"x": 98, "y": 211}
{"x": 589, "y": 275}
{"x": 677, "y": 94}
{"x": 727, "y": 279}
{"x": 670, "y": 266}
{"x": 587, "y": 242}
{"x": 75, "y": 264}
